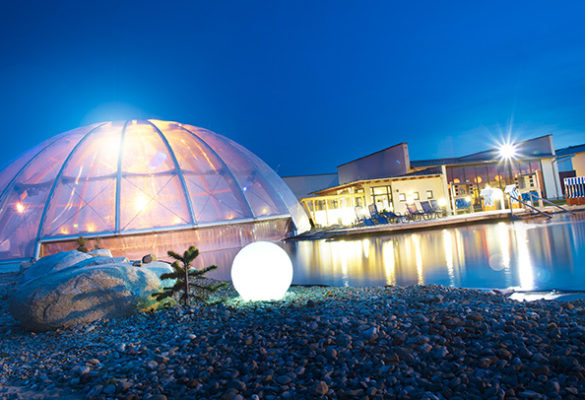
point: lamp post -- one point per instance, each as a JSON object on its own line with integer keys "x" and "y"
{"x": 507, "y": 153}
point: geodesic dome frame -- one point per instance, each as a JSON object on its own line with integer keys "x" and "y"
{"x": 134, "y": 178}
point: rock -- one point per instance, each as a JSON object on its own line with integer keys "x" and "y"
{"x": 109, "y": 389}
{"x": 152, "y": 364}
{"x": 321, "y": 388}
{"x": 100, "y": 260}
{"x": 159, "y": 268}
{"x": 370, "y": 333}
{"x": 157, "y": 397}
{"x": 53, "y": 263}
{"x": 100, "y": 252}
{"x": 147, "y": 259}
{"x": 82, "y": 295}
{"x": 137, "y": 264}
{"x": 283, "y": 380}
{"x": 475, "y": 316}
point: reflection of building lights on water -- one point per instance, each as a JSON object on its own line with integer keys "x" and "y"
{"x": 448, "y": 246}
{"x": 19, "y": 207}
{"x": 418, "y": 257}
{"x": 389, "y": 264}
{"x": 525, "y": 267}
{"x": 366, "y": 247}
{"x": 500, "y": 259}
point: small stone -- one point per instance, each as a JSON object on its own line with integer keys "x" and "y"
{"x": 147, "y": 259}
{"x": 553, "y": 386}
{"x": 137, "y": 264}
{"x": 475, "y": 316}
{"x": 572, "y": 390}
{"x": 230, "y": 394}
{"x": 283, "y": 379}
{"x": 542, "y": 370}
{"x": 371, "y": 333}
{"x": 321, "y": 388}
{"x": 109, "y": 389}
{"x": 152, "y": 364}
{"x": 157, "y": 397}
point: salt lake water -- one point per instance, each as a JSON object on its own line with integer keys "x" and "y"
{"x": 534, "y": 254}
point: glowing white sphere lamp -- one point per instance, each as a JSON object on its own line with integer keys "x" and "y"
{"x": 262, "y": 271}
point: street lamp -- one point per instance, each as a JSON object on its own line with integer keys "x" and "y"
{"x": 508, "y": 152}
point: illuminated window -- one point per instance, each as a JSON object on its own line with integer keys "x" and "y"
{"x": 429, "y": 194}
{"x": 402, "y": 196}
{"x": 382, "y": 195}
{"x": 415, "y": 196}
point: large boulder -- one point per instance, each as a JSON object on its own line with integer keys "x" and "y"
{"x": 100, "y": 252}
{"x": 100, "y": 260}
{"x": 54, "y": 262}
{"x": 71, "y": 296}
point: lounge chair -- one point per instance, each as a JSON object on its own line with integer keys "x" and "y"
{"x": 368, "y": 221}
{"x": 393, "y": 217}
{"x": 362, "y": 217}
{"x": 376, "y": 215}
{"x": 414, "y": 212}
{"x": 428, "y": 209}
{"x": 440, "y": 211}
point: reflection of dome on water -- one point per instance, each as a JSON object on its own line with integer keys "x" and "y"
{"x": 142, "y": 187}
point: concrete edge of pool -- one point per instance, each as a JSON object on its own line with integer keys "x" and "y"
{"x": 463, "y": 219}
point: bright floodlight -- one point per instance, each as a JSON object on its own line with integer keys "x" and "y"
{"x": 507, "y": 151}
{"x": 262, "y": 271}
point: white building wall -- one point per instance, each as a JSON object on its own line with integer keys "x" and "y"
{"x": 550, "y": 176}
{"x": 421, "y": 185}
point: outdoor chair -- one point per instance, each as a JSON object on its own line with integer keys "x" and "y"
{"x": 441, "y": 212}
{"x": 428, "y": 209}
{"x": 368, "y": 221}
{"x": 363, "y": 218}
{"x": 414, "y": 212}
{"x": 376, "y": 215}
{"x": 393, "y": 217}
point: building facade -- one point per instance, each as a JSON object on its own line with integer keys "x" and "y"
{"x": 391, "y": 181}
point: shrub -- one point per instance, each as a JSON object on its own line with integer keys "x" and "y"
{"x": 187, "y": 276}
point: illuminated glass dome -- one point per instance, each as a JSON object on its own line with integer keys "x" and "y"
{"x": 130, "y": 182}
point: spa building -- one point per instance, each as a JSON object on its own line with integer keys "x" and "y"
{"x": 391, "y": 180}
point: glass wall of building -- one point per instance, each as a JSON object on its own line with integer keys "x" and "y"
{"x": 496, "y": 175}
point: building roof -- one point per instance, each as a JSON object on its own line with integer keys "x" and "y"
{"x": 527, "y": 149}
{"x": 427, "y": 172}
{"x": 371, "y": 154}
{"x": 567, "y": 151}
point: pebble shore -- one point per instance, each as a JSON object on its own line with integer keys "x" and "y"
{"x": 420, "y": 342}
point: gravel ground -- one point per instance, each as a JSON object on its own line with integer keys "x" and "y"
{"x": 415, "y": 342}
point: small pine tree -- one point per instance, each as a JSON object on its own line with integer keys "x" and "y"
{"x": 183, "y": 273}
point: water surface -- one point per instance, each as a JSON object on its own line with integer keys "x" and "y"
{"x": 535, "y": 254}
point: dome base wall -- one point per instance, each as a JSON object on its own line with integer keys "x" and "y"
{"x": 217, "y": 244}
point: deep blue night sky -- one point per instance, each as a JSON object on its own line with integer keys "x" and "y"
{"x": 305, "y": 85}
